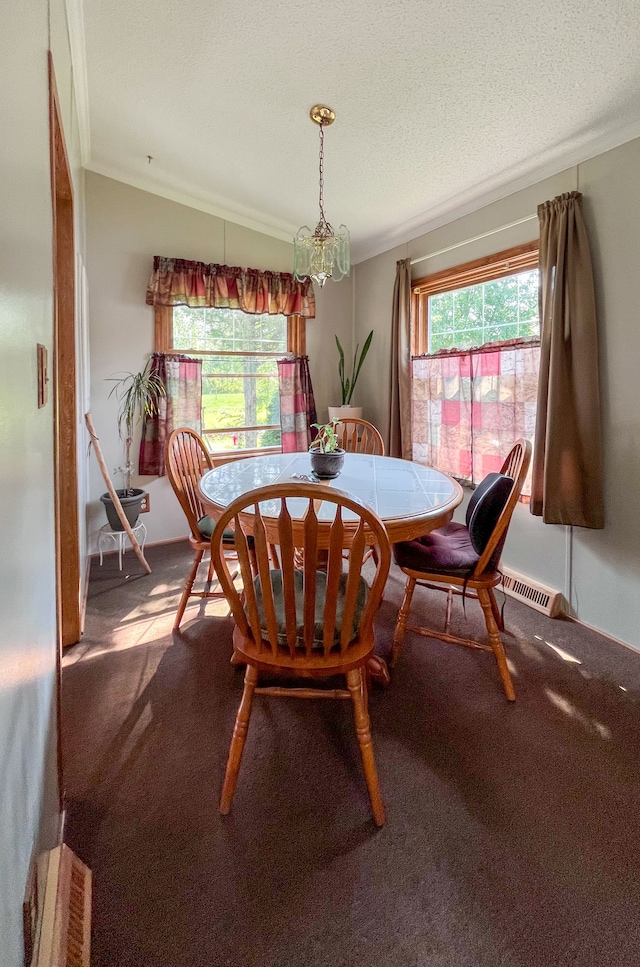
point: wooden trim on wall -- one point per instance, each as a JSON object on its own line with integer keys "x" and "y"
{"x": 297, "y": 335}
{"x": 496, "y": 266}
{"x": 163, "y": 328}
{"x": 64, "y": 381}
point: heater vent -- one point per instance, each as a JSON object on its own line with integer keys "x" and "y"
{"x": 65, "y": 937}
{"x": 543, "y": 599}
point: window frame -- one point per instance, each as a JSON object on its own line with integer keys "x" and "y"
{"x": 163, "y": 343}
{"x": 497, "y": 266}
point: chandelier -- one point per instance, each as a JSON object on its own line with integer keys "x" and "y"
{"x": 323, "y": 254}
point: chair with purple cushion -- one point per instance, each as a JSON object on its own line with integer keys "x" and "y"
{"x": 458, "y": 558}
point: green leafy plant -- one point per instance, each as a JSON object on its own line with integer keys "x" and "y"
{"x": 348, "y": 384}
{"x": 327, "y": 438}
{"x": 138, "y": 395}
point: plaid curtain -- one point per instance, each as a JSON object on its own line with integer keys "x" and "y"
{"x": 297, "y": 405}
{"x": 182, "y": 406}
{"x": 469, "y": 408}
{"x": 179, "y": 282}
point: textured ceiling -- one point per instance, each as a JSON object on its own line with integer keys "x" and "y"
{"x": 440, "y": 107}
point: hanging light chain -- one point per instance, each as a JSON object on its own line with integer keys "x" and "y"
{"x": 323, "y": 228}
{"x": 321, "y": 170}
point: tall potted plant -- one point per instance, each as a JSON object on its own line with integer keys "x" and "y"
{"x": 348, "y": 381}
{"x": 138, "y": 395}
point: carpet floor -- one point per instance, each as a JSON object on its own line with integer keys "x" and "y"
{"x": 512, "y": 836}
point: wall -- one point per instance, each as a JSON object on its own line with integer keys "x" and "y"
{"x": 29, "y": 815}
{"x": 598, "y": 571}
{"x": 126, "y": 227}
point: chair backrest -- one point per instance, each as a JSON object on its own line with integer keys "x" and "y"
{"x": 186, "y": 459}
{"x": 320, "y": 610}
{"x": 359, "y": 436}
{"x": 514, "y": 467}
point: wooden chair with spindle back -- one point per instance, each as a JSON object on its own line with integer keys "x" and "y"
{"x": 186, "y": 460}
{"x": 359, "y": 436}
{"x": 465, "y": 559}
{"x": 310, "y": 622}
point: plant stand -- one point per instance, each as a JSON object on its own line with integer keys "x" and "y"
{"x": 106, "y": 534}
{"x": 112, "y": 492}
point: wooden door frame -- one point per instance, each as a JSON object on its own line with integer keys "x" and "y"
{"x": 65, "y": 417}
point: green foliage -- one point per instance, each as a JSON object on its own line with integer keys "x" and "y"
{"x": 327, "y": 438}
{"x": 502, "y": 309}
{"x": 348, "y": 384}
{"x": 138, "y": 395}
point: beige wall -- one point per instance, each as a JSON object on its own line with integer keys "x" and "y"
{"x": 29, "y": 796}
{"x": 598, "y": 571}
{"x": 126, "y": 227}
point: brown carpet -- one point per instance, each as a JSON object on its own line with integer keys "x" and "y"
{"x": 512, "y": 830}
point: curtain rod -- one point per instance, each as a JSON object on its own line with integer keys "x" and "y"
{"x": 476, "y": 238}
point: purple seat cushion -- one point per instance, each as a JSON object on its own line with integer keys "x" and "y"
{"x": 455, "y": 548}
{"x": 447, "y": 550}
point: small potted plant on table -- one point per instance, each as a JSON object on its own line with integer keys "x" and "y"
{"x": 138, "y": 395}
{"x": 327, "y": 456}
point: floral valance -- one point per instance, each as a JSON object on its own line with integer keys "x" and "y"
{"x": 179, "y": 282}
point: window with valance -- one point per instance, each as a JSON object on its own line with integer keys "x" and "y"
{"x": 240, "y": 321}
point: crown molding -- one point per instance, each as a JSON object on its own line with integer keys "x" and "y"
{"x": 491, "y": 191}
{"x": 77, "y": 48}
{"x": 246, "y": 218}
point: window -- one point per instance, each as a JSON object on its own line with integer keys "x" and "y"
{"x": 475, "y": 334}
{"x": 239, "y": 350}
{"x": 500, "y": 310}
{"x": 489, "y": 300}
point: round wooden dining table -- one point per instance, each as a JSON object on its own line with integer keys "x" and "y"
{"x": 409, "y": 498}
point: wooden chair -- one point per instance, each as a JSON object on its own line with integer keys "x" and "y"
{"x": 186, "y": 459}
{"x": 359, "y": 436}
{"x": 309, "y": 623}
{"x": 467, "y": 557}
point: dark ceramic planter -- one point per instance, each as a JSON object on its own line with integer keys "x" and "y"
{"x": 130, "y": 504}
{"x": 326, "y": 465}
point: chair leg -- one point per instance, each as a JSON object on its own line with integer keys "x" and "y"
{"x": 401, "y": 623}
{"x": 496, "y": 610}
{"x": 496, "y": 643}
{"x": 210, "y": 571}
{"x": 447, "y": 618}
{"x": 357, "y": 688}
{"x": 238, "y": 740}
{"x": 187, "y": 590}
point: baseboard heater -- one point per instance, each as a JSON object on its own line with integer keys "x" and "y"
{"x": 536, "y": 595}
{"x": 65, "y": 935}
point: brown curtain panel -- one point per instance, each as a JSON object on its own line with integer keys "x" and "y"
{"x": 400, "y": 413}
{"x": 180, "y": 282}
{"x": 567, "y": 485}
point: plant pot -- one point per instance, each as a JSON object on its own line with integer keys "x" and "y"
{"x": 326, "y": 465}
{"x": 131, "y": 505}
{"x": 345, "y": 412}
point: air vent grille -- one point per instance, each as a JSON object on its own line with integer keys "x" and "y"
{"x": 65, "y": 937}
{"x": 536, "y": 595}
